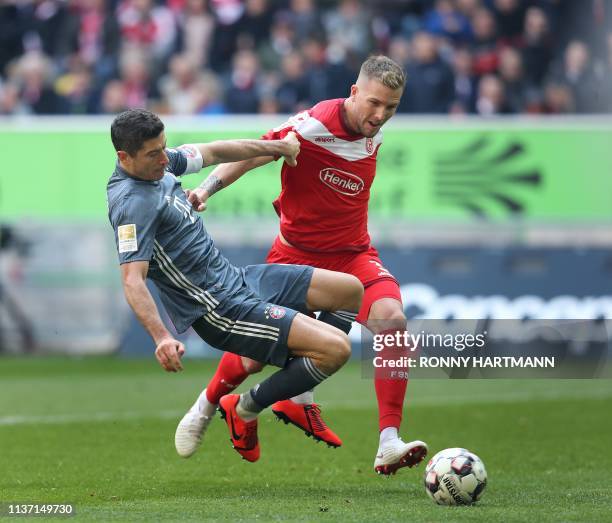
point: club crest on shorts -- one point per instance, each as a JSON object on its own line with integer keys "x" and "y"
{"x": 369, "y": 145}
{"x": 275, "y": 312}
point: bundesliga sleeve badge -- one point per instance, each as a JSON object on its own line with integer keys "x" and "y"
{"x": 128, "y": 241}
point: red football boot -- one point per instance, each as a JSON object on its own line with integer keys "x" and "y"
{"x": 308, "y": 418}
{"x": 243, "y": 434}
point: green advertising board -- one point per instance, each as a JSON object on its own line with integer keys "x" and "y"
{"x": 439, "y": 172}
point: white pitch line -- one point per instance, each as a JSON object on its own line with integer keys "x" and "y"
{"x": 504, "y": 397}
{"x": 86, "y": 417}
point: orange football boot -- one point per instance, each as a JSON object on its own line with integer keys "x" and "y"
{"x": 307, "y": 418}
{"x": 243, "y": 434}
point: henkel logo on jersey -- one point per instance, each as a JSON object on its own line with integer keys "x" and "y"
{"x": 341, "y": 181}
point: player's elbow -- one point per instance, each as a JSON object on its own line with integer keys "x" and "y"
{"x": 132, "y": 282}
{"x": 209, "y": 154}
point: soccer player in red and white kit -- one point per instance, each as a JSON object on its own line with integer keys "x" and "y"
{"x": 323, "y": 209}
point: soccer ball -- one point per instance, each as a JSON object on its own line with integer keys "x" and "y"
{"x": 455, "y": 477}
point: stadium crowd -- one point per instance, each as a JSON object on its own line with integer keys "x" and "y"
{"x": 481, "y": 57}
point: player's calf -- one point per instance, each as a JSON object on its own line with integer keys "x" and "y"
{"x": 327, "y": 348}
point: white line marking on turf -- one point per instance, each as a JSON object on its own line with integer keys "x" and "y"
{"x": 500, "y": 397}
{"x": 87, "y": 417}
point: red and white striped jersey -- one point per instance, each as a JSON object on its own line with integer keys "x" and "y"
{"x": 323, "y": 204}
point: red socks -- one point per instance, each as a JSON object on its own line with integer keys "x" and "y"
{"x": 390, "y": 395}
{"x": 230, "y": 373}
{"x": 390, "y": 384}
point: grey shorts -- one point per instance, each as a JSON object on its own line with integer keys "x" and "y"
{"x": 255, "y": 321}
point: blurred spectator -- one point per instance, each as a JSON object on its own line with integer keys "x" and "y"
{"x": 227, "y": 28}
{"x": 185, "y": 90}
{"x": 536, "y": 46}
{"x": 292, "y": 93}
{"x": 113, "y": 98}
{"x": 429, "y": 82}
{"x": 92, "y": 34}
{"x": 557, "y": 99}
{"x": 491, "y": 99}
{"x": 445, "y": 20}
{"x": 484, "y": 47}
{"x": 607, "y": 76}
{"x": 511, "y": 73}
{"x": 33, "y": 75}
{"x": 242, "y": 84}
{"x": 76, "y": 87}
{"x": 12, "y": 28}
{"x": 280, "y": 55}
{"x": 399, "y": 50}
{"x": 196, "y": 25}
{"x": 305, "y": 19}
{"x": 10, "y": 100}
{"x": 325, "y": 80}
{"x": 577, "y": 74}
{"x": 44, "y": 20}
{"x": 509, "y": 16}
{"x": 348, "y": 28}
{"x": 148, "y": 28}
{"x": 585, "y": 20}
{"x": 256, "y": 22}
{"x": 280, "y": 43}
{"x": 465, "y": 83}
{"x": 468, "y": 8}
{"x": 135, "y": 71}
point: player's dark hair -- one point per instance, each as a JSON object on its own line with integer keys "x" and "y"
{"x": 132, "y": 128}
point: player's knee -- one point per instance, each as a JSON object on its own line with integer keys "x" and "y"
{"x": 391, "y": 319}
{"x": 251, "y": 366}
{"x": 355, "y": 292}
{"x": 338, "y": 351}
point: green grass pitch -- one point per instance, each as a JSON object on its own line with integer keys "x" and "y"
{"x": 98, "y": 433}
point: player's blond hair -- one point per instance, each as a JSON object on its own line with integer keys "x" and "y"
{"x": 386, "y": 71}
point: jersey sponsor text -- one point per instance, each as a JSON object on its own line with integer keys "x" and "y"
{"x": 341, "y": 181}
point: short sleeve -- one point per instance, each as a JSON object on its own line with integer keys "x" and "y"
{"x": 134, "y": 220}
{"x": 185, "y": 159}
{"x": 278, "y": 133}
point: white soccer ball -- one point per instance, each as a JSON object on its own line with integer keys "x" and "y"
{"x": 455, "y": 477}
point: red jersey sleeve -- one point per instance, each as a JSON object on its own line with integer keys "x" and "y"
{"x": 278, "y": 133}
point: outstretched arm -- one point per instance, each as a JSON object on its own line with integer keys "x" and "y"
{"x": 168, "y": 351}
{"x": 237, "y": 150}
{"x": 227, "y": 173}
{"x": 222, "y": 176}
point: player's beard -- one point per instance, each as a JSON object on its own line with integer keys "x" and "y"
{"x": 368, "y": 130}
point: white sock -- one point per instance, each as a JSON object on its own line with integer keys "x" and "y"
{"x": 206, "y": 407}
{"x": 387, "y": 434}
{"x": 306, "y": 398}
{"x": 246, "y": 415}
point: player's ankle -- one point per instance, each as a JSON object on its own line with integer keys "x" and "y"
{"x": 206, "y": 407}
{"x": 388, "y": 434}
{"x": 247, "y": 408}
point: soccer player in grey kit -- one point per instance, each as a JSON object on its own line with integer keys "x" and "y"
{"x": 259, "y": 311}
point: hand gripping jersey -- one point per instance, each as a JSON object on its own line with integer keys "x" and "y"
{"x": 323, "y": 204}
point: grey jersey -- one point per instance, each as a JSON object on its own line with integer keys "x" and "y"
{"x": 154, "y": 222}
